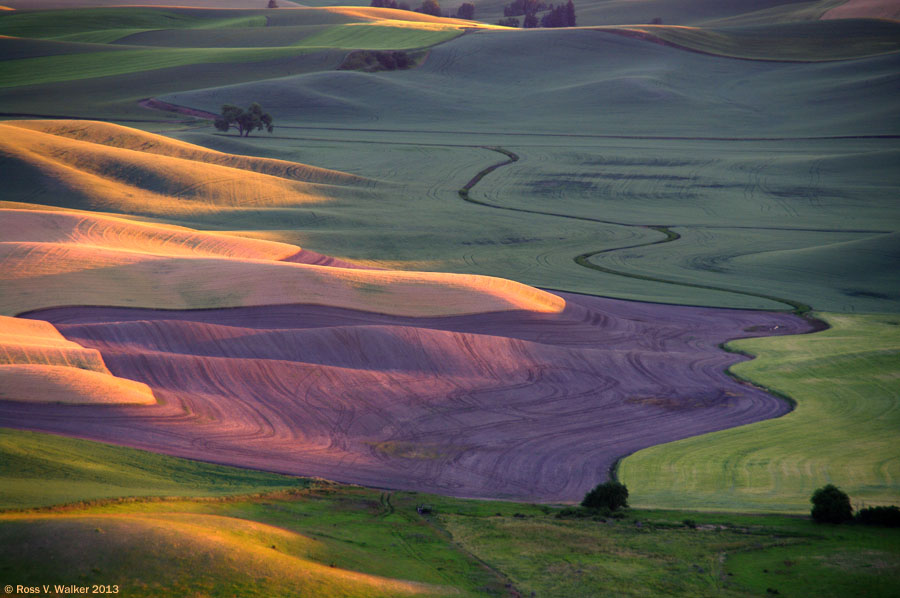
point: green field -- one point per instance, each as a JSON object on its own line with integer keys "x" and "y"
{"x": 329, "y": 539}
{"x": 846, "y": 384}
{"x": 34, "y": 71}
{"x": 41, "y": 470}
{"x": 377, "y": 37}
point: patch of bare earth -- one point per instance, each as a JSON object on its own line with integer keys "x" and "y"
{"x": 516, "y": 404}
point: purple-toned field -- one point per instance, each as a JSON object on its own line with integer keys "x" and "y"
{"x": 506, "y": 405}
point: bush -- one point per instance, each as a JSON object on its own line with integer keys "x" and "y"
{"x": 574, "y": 513}
{"x": 372, "y": 61}
{"x": 831, "y": 505}
{"x": 883, "y": 516}
{"x": 608, "y": 495}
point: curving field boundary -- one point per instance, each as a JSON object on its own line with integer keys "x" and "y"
{"x": 516, "y": 404}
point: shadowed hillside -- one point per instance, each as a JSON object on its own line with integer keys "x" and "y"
{"x": 611, "y": 85}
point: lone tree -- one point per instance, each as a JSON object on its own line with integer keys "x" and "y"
{"x": 244, "y": 122}
{"x": 608, "y": 495}
{"x": 831, "y": 505}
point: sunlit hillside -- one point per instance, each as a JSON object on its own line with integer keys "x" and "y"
{"x": 38, "y": 364}
{"x": 311, "y": 300}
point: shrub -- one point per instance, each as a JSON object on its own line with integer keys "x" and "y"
{"x": 608, "y": 495}
{"x": 574, "y": 513}
{"x": 508, "y": 22}
{"x": 831, "y": 505}
{"x": 372, "y": 61}
{"x": 883, "y": 516}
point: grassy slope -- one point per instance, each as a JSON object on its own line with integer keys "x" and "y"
{"x": 379, "y": 37}
{"x": 654, "y": 554}
{"x": 846, "y": 382}
{"x": 332, "y": 539}
{"x": 34, "y": 71}
{"x": 327, "y": 540}
{"x": 42, "y": 470}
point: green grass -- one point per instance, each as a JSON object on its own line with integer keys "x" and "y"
{"x": 101, "y": 36}
{"x": 854, "y": 562}
{"x": 52, "y": 69}
{"x": 41, "y": 469}
{"x": 846, "y": 382}
{"x": 255, "y": 546}
{"x": 377, "y": 37}
{"x": 722, "y": 556}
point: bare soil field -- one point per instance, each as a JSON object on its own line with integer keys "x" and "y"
{"x": 516, "y": 404}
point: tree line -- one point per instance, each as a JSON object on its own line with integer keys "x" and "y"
{"x": 562, "y": 15}
{"x": 428, "y": 7}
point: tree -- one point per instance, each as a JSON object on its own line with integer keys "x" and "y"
{"x": 559, "y": 16}
{"x": 608, "y": 495}
{"x": 530, "y": 22}
{"x": 570, "y": 14}
{"x": 518, "y": 8}
{"x": 273, "y": 4}
{"x": 466, "y": 11}
{"x": 430, "y": 7}
{"x": 244, "y": 122}
{"x": 831, "y": 505}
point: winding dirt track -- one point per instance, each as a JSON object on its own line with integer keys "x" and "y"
{"x": 507, "y": 405}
